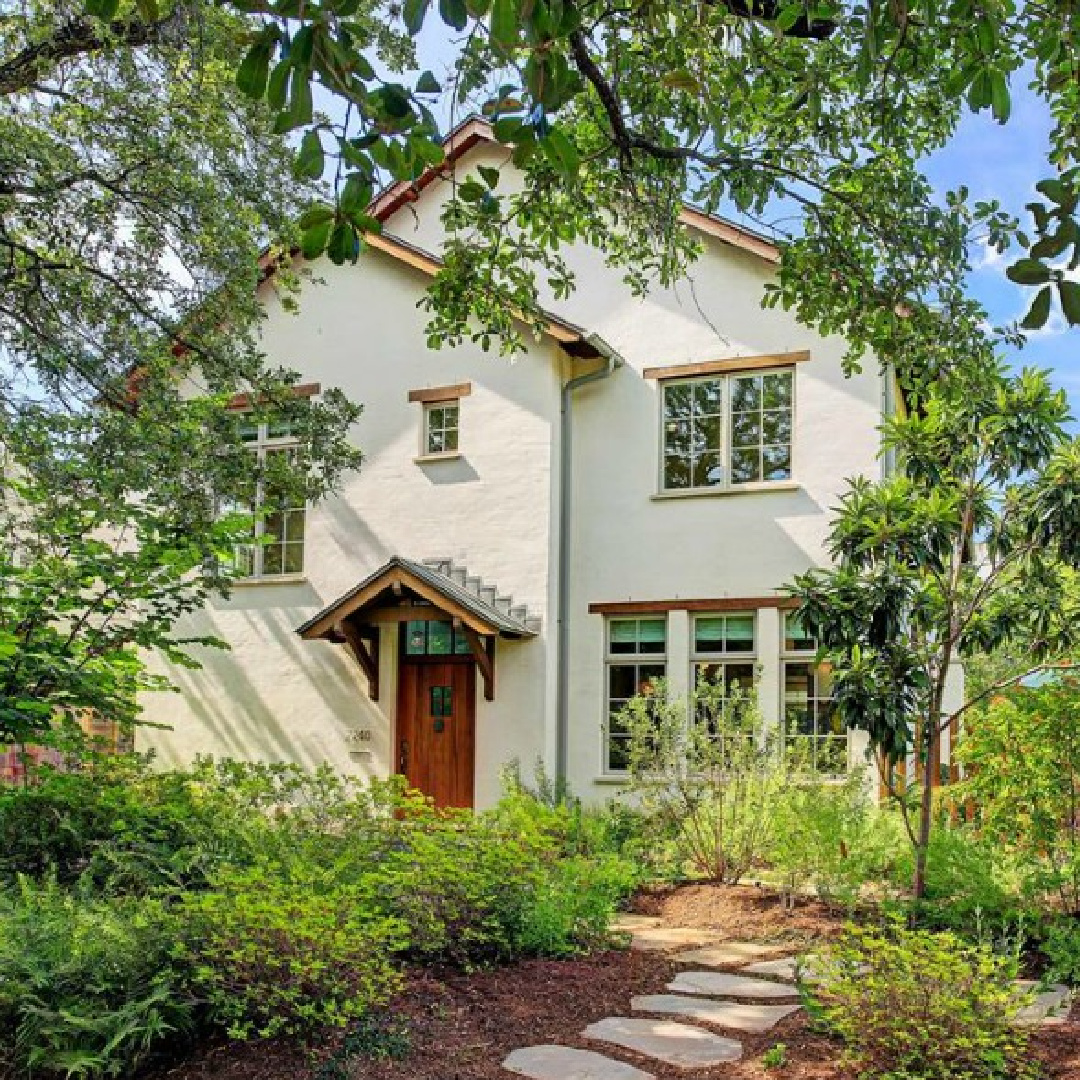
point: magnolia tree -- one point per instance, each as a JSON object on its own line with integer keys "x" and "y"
{"x": 970, "y": 544}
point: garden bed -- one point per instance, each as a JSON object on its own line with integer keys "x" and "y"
{"x": 463, "y": 1026}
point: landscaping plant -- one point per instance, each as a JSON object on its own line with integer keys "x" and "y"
{"x": 968, "y": 544}
{"x": 916, "y": 1005}
{"x": 708, "y": 773}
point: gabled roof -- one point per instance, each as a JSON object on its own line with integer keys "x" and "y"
{"x": 475, "y": 131}
{"x": 381, "y": 588}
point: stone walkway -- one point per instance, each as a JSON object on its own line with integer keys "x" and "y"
{"x": 753, "y": 999}
{"x": 733, "y": 1001}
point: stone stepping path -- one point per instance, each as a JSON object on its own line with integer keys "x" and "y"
{"x": 724, "y": 984}
{"x": 729, "y": 1014}
{"x": 1049, "y": 1006}
{"x": 662, "y": 938}
{"x": 566, "y": 1063}
{"x": 629, "y": 924}
{"x": 673, "y": 1043}
{"x": 778, "y": 969}
{"x": 731, "y": 954}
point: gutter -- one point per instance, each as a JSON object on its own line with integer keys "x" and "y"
{"x": 612, "y": 360}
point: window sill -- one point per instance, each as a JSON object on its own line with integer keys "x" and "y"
{"x": 722, "y": 492}
{"x": 277, "y": 579}
{"x": 429, "y": 459}
{"x": 612, "y": 778}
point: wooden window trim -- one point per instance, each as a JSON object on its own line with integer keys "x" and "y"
{"x": 730, "y": 366}
{"x": 441, "y": 393}
{"x": 304, "y": 390}
{"x": 726, "y": 605}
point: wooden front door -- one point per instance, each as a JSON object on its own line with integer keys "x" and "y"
{"x": 436, "y": 729}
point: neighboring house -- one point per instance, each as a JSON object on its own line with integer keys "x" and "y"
{"x": 486, "y": 588}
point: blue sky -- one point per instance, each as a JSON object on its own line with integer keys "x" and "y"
{"x": 1004, "y": 163}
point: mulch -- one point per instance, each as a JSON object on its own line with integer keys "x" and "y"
{"x": 462, "y": 1026}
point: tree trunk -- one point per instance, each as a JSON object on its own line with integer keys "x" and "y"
{"x": 929, "y": 781}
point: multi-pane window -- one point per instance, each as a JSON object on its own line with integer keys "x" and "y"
{"x": 277, "y": 549}
{"x": 723, "y": 431}
{"x": 635, "y": 661}
{"x": 813, "y": 730}
{"x": 724, "y": 669}
{"x": 434, "y": 638}
{"x": 441, "y": 427}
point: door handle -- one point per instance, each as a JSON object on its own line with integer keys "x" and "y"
{"x": 403, "y": 757}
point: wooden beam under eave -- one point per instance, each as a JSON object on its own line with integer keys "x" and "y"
{"x": 483, "y": 651}
{"x": 365, "y": 652}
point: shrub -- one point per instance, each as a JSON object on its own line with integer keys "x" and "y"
{"x": 973, "y": 885}
{"x": 1061, "y": 947}
{"x": 87, "y": 987}
{"x": 707, "y": 773}
{"x": 571, "y": 909}
{"x": 833, "y": 837}
{"x": 1021, "y": 754}
{"x": 274, "y": 955}
{"x": 916, "y": 1005}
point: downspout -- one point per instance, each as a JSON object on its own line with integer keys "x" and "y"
{"x": 612, "y": 360}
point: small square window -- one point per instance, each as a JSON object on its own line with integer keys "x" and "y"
{"x": 441, "y": 427}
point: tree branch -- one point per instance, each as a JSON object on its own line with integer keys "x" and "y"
{"x": 83, "y": 37}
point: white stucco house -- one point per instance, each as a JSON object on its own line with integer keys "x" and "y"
{"x": 530, "y": 542}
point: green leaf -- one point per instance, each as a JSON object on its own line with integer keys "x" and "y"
{"x": 427, "y": 84}
{"x": 981, "y": 91}
{"x": 1028, "y": 272}
{"x": 562, "y": 153}
{"x": 680, "y": 79}
{"x": 414, "y": 12}
{"x": 1054, "y": 190}
{"x": 490, "y": 175}
{"x": 314, "y": 239}
{"x": 504, "y": 23}
{"x": 1040, "y": 310}
{"x": 1069, "y": 294}
{"x": 102, "y": 9}
{"x": 148, "y": 9}
{"x": 477, "y": 8}
{"x": 315, "y": 215}
{"x": 300, "y": 109}
{"x": 344, "y": 244}
{"x": 311, "y": 160}
{"x": 254, "y": 69}
{"x": 277, "y": 85}
{"x": 356, "y": 193}
{"x": 1050, "y": 247}
{"x": 454, "y": 13}
{"x": 999, "y": 97}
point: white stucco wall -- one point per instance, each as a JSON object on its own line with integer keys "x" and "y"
{"x": 276, "y": 697}
{"x": 279, "y": 698}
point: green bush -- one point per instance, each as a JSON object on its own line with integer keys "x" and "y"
{"x": 833, "y": 836}
{"x": 87, "y": 986}
{"x": 974, "y": 886}
{"x": 274, "y": 956}
{"x": 1061, "y": 947}
{"x": 916, "y": 1005}
{"x": 571, "y": 908}
{"x": 712, "y": 782}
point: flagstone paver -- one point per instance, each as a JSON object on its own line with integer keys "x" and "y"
{"x": 670, "y": 937}
{"x": 783, "y": 968}
{"x": 1049, "y": 1006}
{"x": 553, "y": 1062}
{"x": 668, "y": 1041}
{"x": 730, "y": 1014}
{"x": 724, "y": 984}
{"x": 730, "y": 953}
{"x": 629, "y": 923}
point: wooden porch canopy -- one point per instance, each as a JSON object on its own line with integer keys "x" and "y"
{"x": 401, "y": 591}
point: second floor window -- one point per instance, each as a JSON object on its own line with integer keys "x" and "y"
{"x": 441, "y": 427}
{"x": 277, "y": 549}
{"x": 728, "y": 430}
